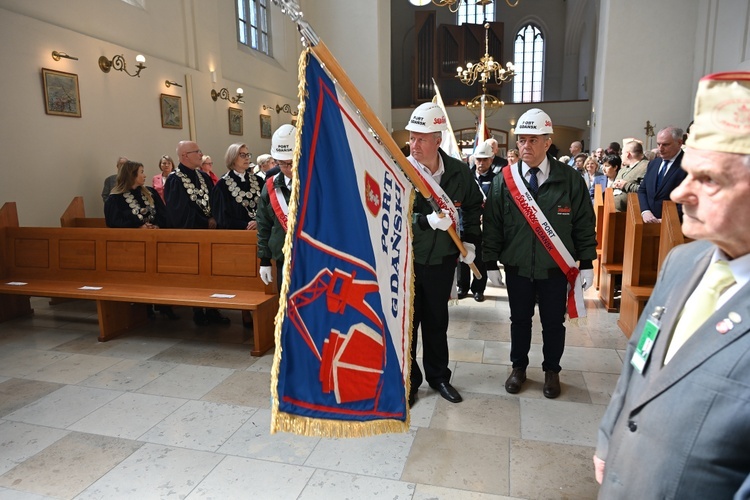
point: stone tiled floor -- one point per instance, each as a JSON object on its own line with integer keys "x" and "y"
{"x": 172, "y": 410}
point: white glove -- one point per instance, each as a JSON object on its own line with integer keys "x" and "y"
{"x": 265, "y": 274}
{"x": 439, "y": 223}
{"x": 587, "y": 275}
{"x": 495, "y": 277}
{"x": 470, "y": 253}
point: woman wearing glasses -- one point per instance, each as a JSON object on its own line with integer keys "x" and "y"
{"x": 234, "y": 199}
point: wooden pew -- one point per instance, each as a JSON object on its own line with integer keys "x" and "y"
{"x": 598, "y": 212}
{"x": 613, "y": 248}
{"x": 121, "y": 267}
{"x": 75, "y": 216}
{"x": 671, "y": 230}
{"x": 646, "y": 246}
{"x": 640, "y": 265}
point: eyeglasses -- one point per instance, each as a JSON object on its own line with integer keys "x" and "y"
{"x": 208, "y": 163}
{"x": 245, "y": 155}
{"x": 196, "y": 151}
{"x": 284, "y": 163}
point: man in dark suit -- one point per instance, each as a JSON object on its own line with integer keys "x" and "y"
{"x": 678, "y": 424}
{"x": 662, "y": 174}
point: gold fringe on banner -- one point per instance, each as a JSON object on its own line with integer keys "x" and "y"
{"x": 317, "y": 427}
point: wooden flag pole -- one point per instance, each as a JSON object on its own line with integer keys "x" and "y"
{"x": 337, "y": 72}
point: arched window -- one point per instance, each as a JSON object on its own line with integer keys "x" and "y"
{"x": 472, "y": 13}
{"x": 528, "y": 50}
{"x": 252, "y": 25}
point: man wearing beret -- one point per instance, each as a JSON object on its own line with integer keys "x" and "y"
{"x": 678, "y": 424}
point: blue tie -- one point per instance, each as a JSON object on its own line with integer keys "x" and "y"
{"x": 533, "y": 181}
{"x": 662, "y": 172}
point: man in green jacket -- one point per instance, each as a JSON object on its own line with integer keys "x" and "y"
{"x": 531, "y": 274}
{"x": 435, "y": 253}
{"x": 273, "y": 205}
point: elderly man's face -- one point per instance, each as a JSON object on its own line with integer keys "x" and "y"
{"x": 483, "y": 164}
{"x": 599, "y": 154}
{"x": 668, "y": 146}
{"x": 424, "y": 146}
{"x": 191, "y": 155}
{"x": 715, "y": 199}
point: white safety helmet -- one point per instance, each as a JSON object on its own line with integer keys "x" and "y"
{"x": 283, "y": 142}
{"x": 534, "y": 122}
{"x": 428, "y": 117}
{"x": 483, "y": 150}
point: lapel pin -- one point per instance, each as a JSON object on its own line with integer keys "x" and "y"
{"x": 736, "y": 318}
{"x": 724, "y": 326}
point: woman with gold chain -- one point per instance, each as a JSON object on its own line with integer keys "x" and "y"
{"x": 133, "y": 205}
{"x": 234, "y": 199}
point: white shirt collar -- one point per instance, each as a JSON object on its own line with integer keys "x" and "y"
{"x": 543, "y": 173}
{"x": 740, "y": 269}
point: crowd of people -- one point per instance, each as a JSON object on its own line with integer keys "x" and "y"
{"x": 678, "y": 424}
{"x": 190, "y": 195}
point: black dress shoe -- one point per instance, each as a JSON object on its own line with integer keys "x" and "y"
{"x": 551, "y": 384}
{"x": 412, "y": 398}
{"x": 214, "y": 316}
{"x": 516, "y": 379}
{"x": 448, "y": 392}
{"x": 168, "y": 312}
{"x": 479, "y": 297}
{"x": 462, "y": 294}
{"x": 199, "y": 317}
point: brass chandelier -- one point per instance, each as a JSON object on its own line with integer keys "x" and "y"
{"x": 487, "y": 70}
{"x": 453, "y": 5}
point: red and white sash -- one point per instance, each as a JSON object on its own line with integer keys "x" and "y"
{"x": 278, "y": 202}
{"x": 549, "y": 239}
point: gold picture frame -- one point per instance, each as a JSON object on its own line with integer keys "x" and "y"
{"x": 236, "y": 121}
{"x": 265, "y": 127}
{"x": 61, "y": 94}
{"x": 171, "y": 111}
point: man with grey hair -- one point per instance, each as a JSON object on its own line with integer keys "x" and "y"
{"x": 498, "y": 162}
{"x": 110, "y": 181}
{"x": 576, "y": 148}
{"x": 678, "y": 424}
{"x": 663, "y": 174}
{"x": 629, "y": 177}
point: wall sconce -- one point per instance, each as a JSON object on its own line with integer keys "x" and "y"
{"x": 286, "y": 108}
{"x": 118, "y": 62}
{"x": 224, "y": 94}
{"x": 169, "y": 83}
{"x": 57, "y": 55}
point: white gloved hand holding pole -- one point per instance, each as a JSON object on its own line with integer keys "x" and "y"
{"x": 439, "y": 223}
{"x": 587, "y": 276}
{"x": 266, "y": 274}
{"x": 470, "y": 253}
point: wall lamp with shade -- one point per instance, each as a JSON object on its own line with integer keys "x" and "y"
{"x": 224, "y": 94}
{"x": 286, "y": 108}
{"x": 118, "y": 63}
{"x": 169, "y": 83}
{"x": 58, "y": 55}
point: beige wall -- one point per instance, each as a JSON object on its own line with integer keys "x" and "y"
{"x": 51, "y": 159}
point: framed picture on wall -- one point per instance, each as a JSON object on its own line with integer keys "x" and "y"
{"x": 235, "y": 121}
{"x": 61, "y": 94}
{"x": 171, "y": 111}
{"x": 265, "y": 127}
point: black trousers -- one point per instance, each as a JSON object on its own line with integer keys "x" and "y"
{"x": 466, "y": 280}
{"x": 432, "y": 288}
{"x": 551, "y": 295}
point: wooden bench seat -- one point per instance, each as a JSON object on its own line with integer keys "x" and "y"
{"x": 122, "y": 267}
{"x": 612, "y": 254}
